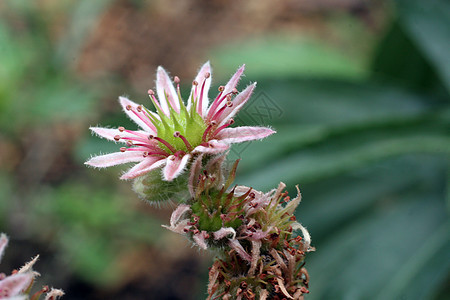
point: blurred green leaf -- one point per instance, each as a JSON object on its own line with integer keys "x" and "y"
{"x": 285, "y": 56}
{"x": 428, "y": 23}
{"x": 414, "y": 52}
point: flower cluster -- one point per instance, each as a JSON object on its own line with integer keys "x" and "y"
{"x": 17, "y": 286}
{"x": 260, "y": 246}
{"x": 264, "y": 244}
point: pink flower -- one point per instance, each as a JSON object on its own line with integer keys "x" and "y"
{"x": 173, "y": 135}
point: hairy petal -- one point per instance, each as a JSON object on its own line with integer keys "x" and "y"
{"x": 54, "y": 294}
{"x": 238, "y": 102}
{"x": 213, "y": 147}
{"x": 15, "y": 284}
{"x": 200, "y": 239}
{"x": 200, "y": 78}
{"x": 236, "y": 246}
{"x": 28, "y": 267}
{"x": 243, "y": 133}
{"x": 164, "y": 87}
{"x": 175, "y": 165}
{"x": 125, "y": 102}
{"x": 110, "y": 133}
{"x": 146, "y": 165}
{"x": 116, "y": 158}
{"x": 3, "y": 244}
{"x": 178, "y": 213}
{"x": 224, "y": 232}
{"x": 234, "y": 80}
{"x": 194, "y": 173}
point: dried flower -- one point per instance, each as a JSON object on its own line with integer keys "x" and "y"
{"x": 262, "y": 243}
{"x": 176, "y": 133}
{"x": 17, "y": 286}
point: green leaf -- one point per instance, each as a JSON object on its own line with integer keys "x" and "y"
{"x": 285, "y": 56}
{"x": 428, "y": 24}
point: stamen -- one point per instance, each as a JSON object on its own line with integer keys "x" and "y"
{"x": 121, "y": 129}
{"x": 208, "y": 129}
{"x": 234, "y": 91}
{"x": 128, "y": 107}
{"x": 220, "y": 111}
{"x": 195, "y": 83}
{"x": 165, "y": 143}
{"x": 176, "y": 79}
{"x": 123, "y": 149}
{"x": 217, "y": 103}
{"x": 185, "y": 141}
{"x": 222, "y": 127}
{"x": 151, "y": 94}
{"x": 144, "y": 118}
{"x": 117, "y": 138}
{"x": 129, "y": 143}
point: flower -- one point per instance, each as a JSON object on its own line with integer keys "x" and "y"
{"x": 17, "y": 285}
{"x": 176, "y": 133}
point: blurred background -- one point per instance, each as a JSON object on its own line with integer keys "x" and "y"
{"x": 358, "y": 91}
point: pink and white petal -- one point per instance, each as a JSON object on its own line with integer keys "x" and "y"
{"x": 165, "y": 88}
{"x": 180, "y": 227}
{"x": 234, "y": 80}
{"x": 28, "y": 267}
{"x": 54, "y": 294}
{"x": 225, "y": 232}
{"x": 148, "y": 164}
{"x": 116, "y": 158}
{"x": 3, "y": 244}
{"x": 212, "y": 147}
{"x": 175, "y": 165}
{"x": 200, "y": 239}
{"x": 15, "y": 284}
{"x": 200, "y": 78}
{"x": 125, "y": 102}
{"x": 238, "y": 102}
{"x": 236, "y": 246}
{"x": 243, "y": 133}
{"x": 110, "y": 133}
{"x": 178, "y": 213}
{"x": 194, "y": 173}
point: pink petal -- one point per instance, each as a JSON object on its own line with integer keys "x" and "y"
{"x": 178, "y": 213}
{"x": 200, "y": 78}
{"x": 213, "y": 147}
{"x": 180, "y": 227}
{"x": 125, "y": 102}
{"x": 175, "y": 165}
{"x": 110, "y": 133}
{"x": 200, "y": 239}
{"x": 234, "y": 80}
{"x": 166, "y": 91}
{"x": 234, "y": 244}
{"x": 54, "y": 294}
{"x": 146, "y": 165}
{"x": 243, "y": 133}
{"x": 116, "y": 158}
{"x": 225, "y": 232}
{"x": 194, "y": 173}
{"x": 3, "y": 244}
{"x": 15, "y": 284}
{"x": 238, "y": 102}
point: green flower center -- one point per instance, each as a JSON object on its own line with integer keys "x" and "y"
{"x": 183, "y": 130}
